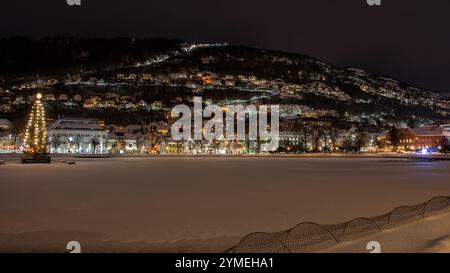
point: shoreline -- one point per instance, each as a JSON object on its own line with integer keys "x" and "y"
{"x": 10, "y": 157}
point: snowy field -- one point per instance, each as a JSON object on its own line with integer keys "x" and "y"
{"x": 198, "y": 204}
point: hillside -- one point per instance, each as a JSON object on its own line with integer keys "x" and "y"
{"x": 167, "y": 70}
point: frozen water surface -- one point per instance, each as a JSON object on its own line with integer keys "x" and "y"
{"x": 197, "y": 204}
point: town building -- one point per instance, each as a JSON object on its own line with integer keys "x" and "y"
{"x": 5, "y": 125}
{"x": 6, "y": 108}
{"x": 8, "y": 142}
{"x": 426, "y": 137}
{"x": 120, "y": 142}
{"x": 170, "y": 146}
{"x": 76, "y": 135}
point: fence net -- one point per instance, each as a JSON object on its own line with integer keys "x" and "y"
{"x": 310, "y": 237}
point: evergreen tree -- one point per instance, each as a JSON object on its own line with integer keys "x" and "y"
{"x": 35, "y": 139}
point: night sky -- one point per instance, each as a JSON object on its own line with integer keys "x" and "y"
{"x": 407, "y": 39}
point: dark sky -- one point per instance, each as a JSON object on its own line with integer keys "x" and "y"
{"x": 407, "y": 39}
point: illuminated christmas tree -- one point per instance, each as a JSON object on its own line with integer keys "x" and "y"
{"x": 35, "y": 139}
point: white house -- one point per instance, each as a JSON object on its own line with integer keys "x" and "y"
{"x": 5, "y": 125}
{"x": 76, "y": 135}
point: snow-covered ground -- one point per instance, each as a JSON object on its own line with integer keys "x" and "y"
{"x": 198, "y": 204}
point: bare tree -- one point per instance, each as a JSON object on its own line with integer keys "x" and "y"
{"x": 334, "y": 136}
{"x": 304, "y": 137}
{"x": 78, "y": 143}
{"x": 394, "y": 138}
{"x": 316, "y": 134}
{"x": 95, "y": 142}
{"x": 55, "y": 142}
{"x": 445, "y": 145}
{"x": 361, "y": 141}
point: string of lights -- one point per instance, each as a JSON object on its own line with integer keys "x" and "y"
{"x": 35, "y": 138}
